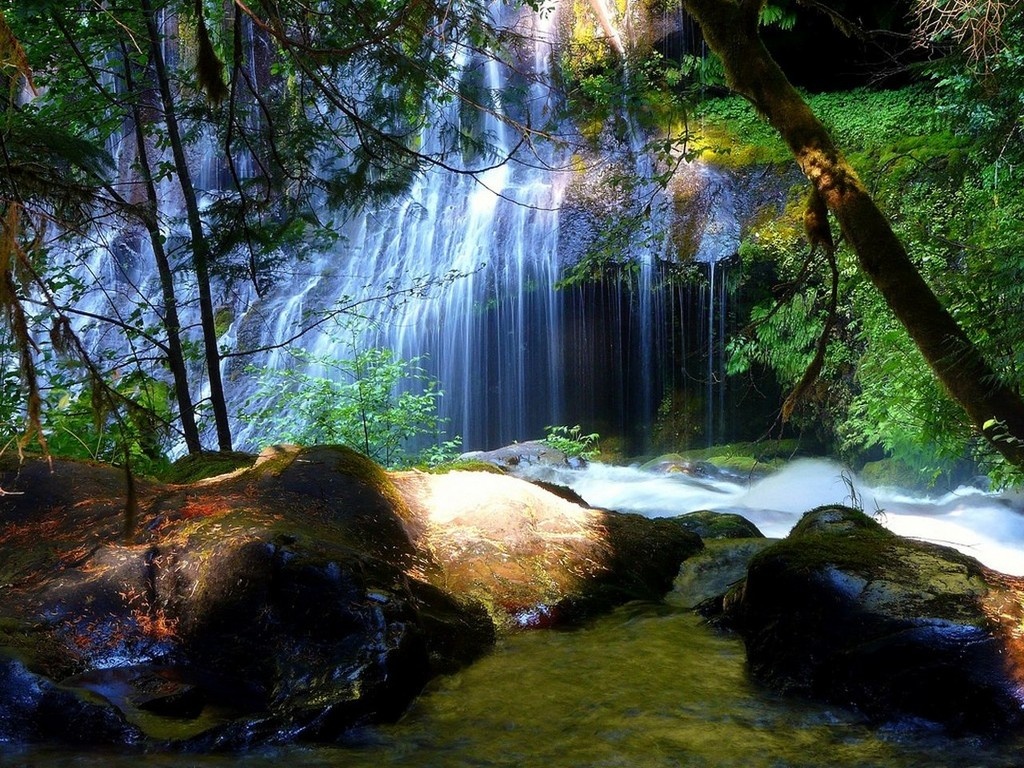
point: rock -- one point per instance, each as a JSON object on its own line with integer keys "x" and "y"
{"x": 704, "y": 578}
{"x": 293, "y": 600}
{"x": 532, "y": 557}
{"x": 845, "y": 611}
{"x": 718, "y": 525}
{"x": 562, "y": 492}
{"x": 287, "y": 585}
{"x": 673, "y": 464}
{"x": 206, "y": 464}
{"x": 532, "y": 453}
{"x": 33, "y": 708}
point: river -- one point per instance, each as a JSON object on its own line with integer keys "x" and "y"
{"x": 650, "y": 685}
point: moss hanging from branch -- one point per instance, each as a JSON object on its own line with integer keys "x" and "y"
{"x": 209, "y": 67}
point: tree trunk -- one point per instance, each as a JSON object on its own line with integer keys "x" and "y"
{"x": 172, "y": 325}
{"x": 731, "y": 30}
{"x": 200, "y": 247}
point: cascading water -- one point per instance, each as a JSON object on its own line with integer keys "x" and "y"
{"x": 512, "y": 353}
{"x": 491, "y": 334}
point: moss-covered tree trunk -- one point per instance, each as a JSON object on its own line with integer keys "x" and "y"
{"x": 731, "y": 30}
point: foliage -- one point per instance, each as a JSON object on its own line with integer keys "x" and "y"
{"x": 79, "y": 423}
{"x": 573, "y": 442}
{"x": 773, "y": 14}
{"x": 373, "y": 402}
{"x": 954, "y": 199}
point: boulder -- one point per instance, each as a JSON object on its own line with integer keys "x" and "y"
{"x": 292, "y": 600}
{"x": 846, "y": 611}
{"x": 518, "y": 456}
{"x": 718, "y": 525}
{"x": 533, "y": 557}
{"x": 281, "y": 596}
{"x": 704, "y": 578}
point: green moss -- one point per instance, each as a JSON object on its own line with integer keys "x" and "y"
{"x": 841, "y": 537}
{"x": 458, "y": 465}
{"x": 745, "y": 457}
{"x": 731, "y": 133}
{"x": 717, "y": 525}
{"x": 367, "y": 472}
{"x": 198, "y": 466}
{"x": 222, "y": 320}
{"x": 895, "y": 472}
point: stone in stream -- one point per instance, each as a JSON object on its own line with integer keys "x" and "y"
{"x": 293, "y": 600}
{"x": 718, "y": 525}
{"x": 845, "y": 611}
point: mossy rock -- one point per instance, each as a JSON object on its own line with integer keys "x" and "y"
{"x": 894, "y": 472}
{"x": 718, "y": 525}
{"x": 846, "y": 611}
{"x": 206, "y": 464}
{"x": 294, "y": 599}
{"x": 463, "y": 465}
{"x": 282, "y": 596}
{"x": 534, "y": 557}
{"x": 704, "y": 578}
{"x": 746, "y": 457}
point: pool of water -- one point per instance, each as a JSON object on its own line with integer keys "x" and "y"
{"x": 646, "y": 686}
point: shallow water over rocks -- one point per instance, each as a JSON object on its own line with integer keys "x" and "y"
{"x": 647, "y": 686}
{"x": 650, "y": 684}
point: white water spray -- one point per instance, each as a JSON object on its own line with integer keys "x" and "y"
{"x": 985, "y": 525}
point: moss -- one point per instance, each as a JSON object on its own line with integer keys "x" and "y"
{"x": 198, "y": 466}
{"x": 745, "y": 457}
{"x": 463, "y": 465}
{"x": 836, "y": 536}
{"x": 893, "y": 471}
{"x": 849, "y": 540}
{"x": 222, "y": 320}
{"x": 730, "y": 132}
{"x": 367, "y": 472}
{"x": 717, "y": 525}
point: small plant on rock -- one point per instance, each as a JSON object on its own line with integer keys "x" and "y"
{"x": 572, "y": 442}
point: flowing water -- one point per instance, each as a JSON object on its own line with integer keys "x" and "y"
{"x": 645, "y": 687}
{"x": 464, "y": 267}
{"x": 649, "y": 685}
{"x": 988, "y": 526}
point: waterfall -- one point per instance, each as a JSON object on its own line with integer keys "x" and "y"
{"x": 466, "y": 266}
{"x": 484, "y": 246}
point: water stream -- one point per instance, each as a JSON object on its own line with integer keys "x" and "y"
{"x": 650, "y": 685}
{"x": 985, "y": 525}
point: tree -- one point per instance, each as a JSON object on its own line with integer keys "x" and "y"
{"x": 995, "y": 409}
{"x": 200, "y": 245}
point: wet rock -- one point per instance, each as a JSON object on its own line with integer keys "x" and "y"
{"x": 34, "y": 708}
{"x": 289, "y": 585}
{"x": 533, "y": 453}
{"x": 845, "y": 611}
{"x": 562, "y": 492}
{"x": 718, "y": 525}
{"x": 674, "y": 464}
{"x": 705, "y": 578}
{"x": 532, "y": 557}
{"x": 293, "y": 600}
